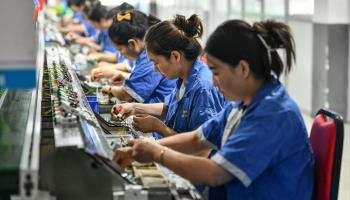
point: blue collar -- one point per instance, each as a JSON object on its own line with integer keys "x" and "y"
{"x": 142, "y": 56}
{"x": 192, "y": 77}
{"x": 265, "y": 90}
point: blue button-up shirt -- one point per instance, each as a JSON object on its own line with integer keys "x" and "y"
{"x": 91, "y": 31}
{"x": 146, "y": 85}
{"x": 200, "y": 102}
{"x": 105, "y": 42}
{"x": 268, "y": 152}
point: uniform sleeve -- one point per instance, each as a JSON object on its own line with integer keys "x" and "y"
{"x": 252, "y": 147}
{"x": 142, "y": 82}
{"x": 205, "y": 105}
{"x": 170, "y": 97}
{"x": 91, "y": 31}
{"x": 108, "y": 46}
{"x": 212, "y": 130}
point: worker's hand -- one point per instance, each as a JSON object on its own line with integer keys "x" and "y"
{"x": 144, "y": 150}
{"x": 96, "y": 74}
{"x": 146, "y": 123}
{"x": 71, "y": 36}
{"x": 124, "y": 110}
{"x": 123, "y": 157}
{"x": 93, "y": 56}
{"x": 83, "y": 41}
{"x": 107, "y": 89}
{"x": 118, "y": 79}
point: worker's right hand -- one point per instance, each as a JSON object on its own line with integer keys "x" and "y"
{"x": 123, "y": 157}
{"x": 124, "y": 110}
{"x": 96, "y": 74}
{"x": 71, "y": 36}
{"x": 82, "y": 41}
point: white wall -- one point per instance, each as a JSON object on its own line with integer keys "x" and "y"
{"x": 332, "y": 11}
{"x": 300, "y": 79}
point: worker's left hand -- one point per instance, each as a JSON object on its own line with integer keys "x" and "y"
{"x": 146, "y": 123}
{"x": 144, "y": 150}
{"x": 118, "y": 79}
{"x": 123, "y": 157}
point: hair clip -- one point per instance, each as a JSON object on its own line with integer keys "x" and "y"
{"x": 124, "y": 16}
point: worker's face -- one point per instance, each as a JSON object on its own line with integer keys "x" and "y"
{"x": 96, "y": 25}
{"x": 169, "y": 67}
{"x": 229, "y": 79}
{"x": 132, "y": 50}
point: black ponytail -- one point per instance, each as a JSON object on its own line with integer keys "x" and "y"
{"x": 180, "y": 34}
{"x": 236, "y": 40}
{"x": 277, "y": 35}
{"x": 131, "y": 24}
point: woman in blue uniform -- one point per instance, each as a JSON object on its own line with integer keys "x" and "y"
{"x": 174, "y": 49}
{"x": 79, "y": 24}
{"x": 144, "y": 85}
{"x": 262, "y": 144}
{"x": 102, "y": 48}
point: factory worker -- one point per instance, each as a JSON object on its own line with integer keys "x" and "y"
{"x": 263, "y": 151}
{"x": 174, "y": 49}
{"x": 144, "y": 85}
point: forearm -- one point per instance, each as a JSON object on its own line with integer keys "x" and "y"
{"x": 188, "y": 143}
{"x": 107, "y": 57}
{"x": 206, "y": 171}
{"x": 164, "y": 130}
{"x": 120, "y": 93}
{"x": 154, "y": 109}
{"x": 94, "y": 47}
{"x": 77, "y": 28}
{"x": 126, "y": 75}
{"x": 120, "y": 66}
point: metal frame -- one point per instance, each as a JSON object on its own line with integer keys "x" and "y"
{"x": 2, "y": 98}
{"x": 29, "y": 166}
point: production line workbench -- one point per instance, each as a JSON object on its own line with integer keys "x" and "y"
{"x": 53, "y": 146}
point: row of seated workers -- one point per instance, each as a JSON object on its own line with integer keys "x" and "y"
{"x": 225, "y": 122}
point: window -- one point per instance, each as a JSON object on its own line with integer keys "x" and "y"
{"x": 252, "y": 10}
{"x": 274, "y": 8}
{"x": 301, "y": 7}
{"x": 235, "y": 9}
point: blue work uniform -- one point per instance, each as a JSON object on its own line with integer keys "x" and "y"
{"x": 200, "y": 102}
{"x": 90, "y": 30}
{"x": 123, "y": 59}
{"x": 105, "y": 42}
{"x": 264, "y": 147}
{"x": 146, "y": 85}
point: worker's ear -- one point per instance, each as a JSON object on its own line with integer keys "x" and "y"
{"x": 132, "y": 43}
{"x": 175, "y": 56}
{"x": 244, "y": 69}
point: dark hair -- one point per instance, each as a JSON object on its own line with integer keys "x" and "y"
{"x": 179, "y": 34}
{"x": 236, "y": 40}
{"x": 75, "y": 3}
{"x": 89, "y": 5}
{"x": 98, "y": 13}
{"x": 130, "y": 28}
